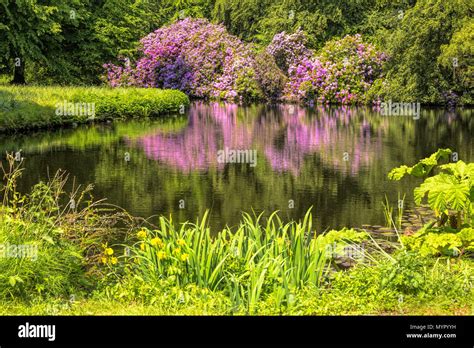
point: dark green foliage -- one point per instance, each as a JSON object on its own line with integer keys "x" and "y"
{"x": 422, "y": 48}
{"x": 270, "y": 78}
{"x": 68, "y": 41}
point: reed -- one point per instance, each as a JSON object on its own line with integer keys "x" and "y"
{"x": 254, "y": 261}
{"x": 387, "y": 212}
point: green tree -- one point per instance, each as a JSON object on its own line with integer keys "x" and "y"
{"x": 29, "y": 28}
{"x": 427, "y": 35}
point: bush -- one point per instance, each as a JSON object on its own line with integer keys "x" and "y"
{"x": 288, "y": 49}
{"x": 194, "y": 56}
{"x": 48, "y": 249}
{"x": 36, "y": 261}
{"x": 270, "y": 78}
{"x": 342, "y": 73}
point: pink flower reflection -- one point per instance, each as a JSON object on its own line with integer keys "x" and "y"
{"x": 283, "y": 136}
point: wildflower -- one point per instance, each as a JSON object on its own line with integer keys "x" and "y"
{"x": 109, "y": 251}
{"x": 177, "y": 251}
{"x": 142, "y": 234}
{"x": 142, "y": 246}
{"x": 181, "y": 298}
{"x": 174, "y": 270}
{"x": 280, "y": 240}
{"x": 181, "y": 242}
{"x": 113, "y": 260}
{"x": 156, "y": 242}
{"x": 184, "y": 257}
{"x": 104, "y": 260}
{"x": 161, "y": 255}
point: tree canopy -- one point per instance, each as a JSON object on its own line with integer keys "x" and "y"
{"x": 69, "y": 41}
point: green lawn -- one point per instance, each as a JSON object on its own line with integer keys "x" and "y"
{"x": 25, "y": 107}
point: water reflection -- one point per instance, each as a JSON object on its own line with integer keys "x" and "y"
{"x": 334, "y": 159}
{"x": 283, "y": 134}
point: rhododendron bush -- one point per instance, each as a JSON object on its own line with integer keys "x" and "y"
{"x": 342, "y": 73}
{"x": 194, "y": 56}
{"x": 289, "y": 49}
{"x": 204, "y": 60}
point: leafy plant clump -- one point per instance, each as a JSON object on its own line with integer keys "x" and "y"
{"x": 342, "y": 73}
{"x": 48, "y": 248}
{"x": 450, "y": 193}
{"x": 256, "y": 261}
{"x": 441, "y": 241}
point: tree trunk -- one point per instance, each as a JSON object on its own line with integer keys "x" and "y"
{"x": 19, "y": 72}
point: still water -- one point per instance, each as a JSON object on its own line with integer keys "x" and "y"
{"x": 333, "y": 159}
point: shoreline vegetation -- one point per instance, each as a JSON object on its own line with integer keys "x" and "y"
{"x": 62, "y": 252}
{"x": 60, "y": 256}
{"x": 31, "y": 108}
{"x": 25, "y": 108}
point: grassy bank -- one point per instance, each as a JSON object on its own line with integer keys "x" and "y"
{"x": 57, "y": 257}
{"x": 25, "y": 107}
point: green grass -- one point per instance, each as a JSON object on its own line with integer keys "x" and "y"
{"x": 25, "y": 107}
{"x": 358, "y": 291}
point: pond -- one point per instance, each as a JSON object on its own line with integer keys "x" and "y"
{"x": 333, "y": 159}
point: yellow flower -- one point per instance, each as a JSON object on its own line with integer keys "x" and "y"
{"x": 181, "y": 242}
{"x": 142, "y": 246}
{"x": 280, "y": 240}
{"x": 109, "y": 251}
{"x": 142, "y": 234}
{"x": 174, "y": 270}
{"x": 113, "y": 260}
{"x": 161, "y": 255}
{"x": 104, "y": 260}
{"x": 156, "y": 242}
{"x": 177, "y": 251}
{"x": 184, "y": 257}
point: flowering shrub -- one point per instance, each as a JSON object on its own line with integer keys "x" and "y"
{"x": 203, "y": 60}
{"x": 288, "y": 49}
{"x": 194, "y": 56}
{"x": 342, "y": 73}
{"x": 270, "y": 78}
